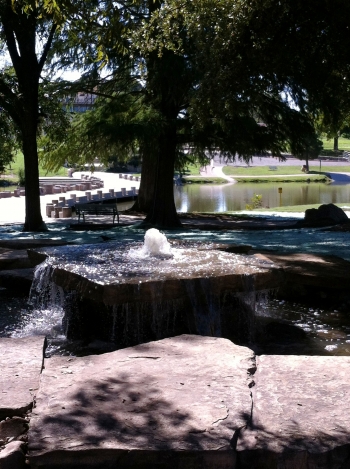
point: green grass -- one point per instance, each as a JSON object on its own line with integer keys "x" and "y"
{"x": 18, "y": 163}
{"x": 302, "y": 179}
{"x": 192, "y": 170}
{"x": 281, "y": 170}
{"x": 260, "y": 170}
{"x": 343, "y": 144}
{"x": 299, "y": 208}
{"x": 203, "y": 180}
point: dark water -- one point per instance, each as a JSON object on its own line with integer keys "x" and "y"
{"x": 232, "y": 197}
{"x": 281, "y": 328}
{"x": 291, "y": 328}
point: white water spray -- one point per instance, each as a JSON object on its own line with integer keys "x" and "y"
{"x": 156, "y": 244}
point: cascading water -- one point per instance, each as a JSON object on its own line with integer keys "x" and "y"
{"x": 44, "y": 311}
{"x": 125, "y": 293}
{"x": 130, "y": 293}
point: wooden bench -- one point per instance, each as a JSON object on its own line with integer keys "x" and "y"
{"x": 273, "y": 168}
{"x": 96, "y": 209}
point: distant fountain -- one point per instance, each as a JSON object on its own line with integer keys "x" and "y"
{"x": 130, "y": 293}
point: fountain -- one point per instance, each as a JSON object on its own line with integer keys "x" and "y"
{"x": 129, "y": 293}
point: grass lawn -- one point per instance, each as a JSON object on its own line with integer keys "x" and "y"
{"x": 299, "y": 208}
{"x": 18, "y": 163}
{"x": 343, "y": 144}
{"x": 191, "y": 170}
{"x": 281, "y": 179}
{"x": 203, "y": 180}
{"x": 280, "y": 171}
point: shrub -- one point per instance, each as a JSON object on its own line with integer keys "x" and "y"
{"x": 21, "y": 177}
{"x": 255, "y": 202}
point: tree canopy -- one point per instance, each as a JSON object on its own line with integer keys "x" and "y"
{"x": 207, "y": 75}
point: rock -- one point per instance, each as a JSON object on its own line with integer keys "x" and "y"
{"x": 10, "y": 259}
{"x": 198, "y": 292}
{"x": 18, "y": 279}
{"x": 309, "y": 276}
{"x": 12, "y": 428}
{"x": 325, "y": 215}
{"x": 301, "y": 414}
{"x": 12, "y": 457}
{"x": 177, "y": 402}
{"x": 30, "y": 243}
{"x": 20, "y": 363}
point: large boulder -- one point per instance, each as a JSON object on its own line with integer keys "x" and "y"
{"x": 325, "y": 215}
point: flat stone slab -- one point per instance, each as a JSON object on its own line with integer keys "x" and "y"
{"x": 309, "y": 269}
{"x": 10, "y": 259}
{"x": 301, "y": 414}
{"x": 177, "y": 402}
{"x": 30, "y": 243}
{"x": 20, "y": 363}
{"x": 19, "y": 279}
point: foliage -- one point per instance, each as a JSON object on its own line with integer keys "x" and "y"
{"x": 255, "y": 202}
{"x": 21, "y": 177}
{"x": 8, "y": 141}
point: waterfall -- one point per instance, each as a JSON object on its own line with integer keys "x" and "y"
{"x": 46, "y": 306}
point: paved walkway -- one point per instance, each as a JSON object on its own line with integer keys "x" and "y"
{"x": 12, "y": 210}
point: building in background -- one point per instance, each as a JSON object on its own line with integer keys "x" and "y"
{"x": 81, "y": 102}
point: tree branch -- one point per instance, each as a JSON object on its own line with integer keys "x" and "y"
{"x": 12, "y": 45}
{"x": 47, "y": 47}
{"x": 8, "y": 100}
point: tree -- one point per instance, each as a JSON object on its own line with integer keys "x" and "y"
{"x": 25, "y": 27}
{"x": 212, "y": 72}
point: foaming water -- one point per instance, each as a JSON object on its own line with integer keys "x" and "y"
{"x": 156, "y": 244}
{"x": 119, "y": 263}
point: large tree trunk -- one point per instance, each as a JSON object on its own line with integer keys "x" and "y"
{"x": 336, "y": 143}
{"x": 33, "y": 218}
{"x": 163, "y": 211}
{"x": 144, "y": 201}
{"x": 29, "y": 126}
{"x": 307, "y": 163}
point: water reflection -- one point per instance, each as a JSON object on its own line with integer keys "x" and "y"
{"x": 232, "y": 197}
{"x": 291, "y": 328}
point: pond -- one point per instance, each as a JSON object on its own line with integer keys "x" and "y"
{"x": 232, "y": 197}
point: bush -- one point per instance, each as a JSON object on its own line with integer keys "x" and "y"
{"x": 21, "y": 177}
{"x": 255, "y": 202}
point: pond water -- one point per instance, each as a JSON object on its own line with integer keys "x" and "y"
{"x": 232, "y": 197}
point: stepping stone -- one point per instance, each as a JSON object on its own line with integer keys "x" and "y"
{"x": 20, "y": 363}
{"x": 301, "y": 414}
{"x": 177, "y": 402}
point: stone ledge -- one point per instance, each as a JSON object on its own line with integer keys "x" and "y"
{"x": 20, "y": 363}
{"x": 301, "y": 414}
{"x": 179, "y": 400}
